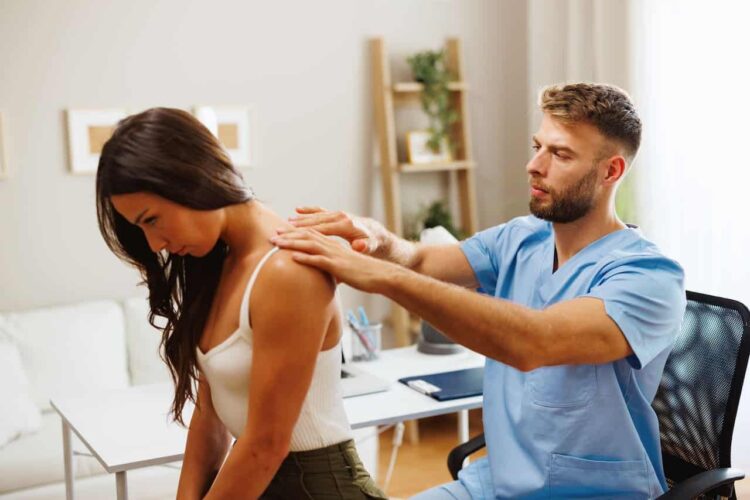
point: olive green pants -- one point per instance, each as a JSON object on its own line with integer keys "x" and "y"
{"x": 333, "y": 472}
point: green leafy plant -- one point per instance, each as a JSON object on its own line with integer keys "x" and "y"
{"x": 429, "y": 69}
{"x": 433, "y": 215}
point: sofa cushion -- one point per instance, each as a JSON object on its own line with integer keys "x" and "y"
{"x": 38, "y": 458}
{"x": 19, "y": 415}
{"x": 144, "y": 363}
{"x": 71, "y": 348}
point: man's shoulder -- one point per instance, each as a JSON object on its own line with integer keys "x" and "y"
{"x": 531, "y": 224}
{"x": 640, "y": 252}
{"x": 522, "y": 228}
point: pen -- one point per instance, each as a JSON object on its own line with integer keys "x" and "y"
{"x": 361, "y": 326}
{"x": 362, "y": 337}
{"x": 351, "y": 318}
{"x": 363, "y": 316}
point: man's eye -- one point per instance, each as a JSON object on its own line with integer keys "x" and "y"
{"x": 536, "y": 147}
{"x": 561, "y": 156}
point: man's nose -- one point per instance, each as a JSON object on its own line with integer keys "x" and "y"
{"x": 537, "y": 165}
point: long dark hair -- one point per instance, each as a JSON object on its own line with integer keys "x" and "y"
{"x": 168, "y": 152}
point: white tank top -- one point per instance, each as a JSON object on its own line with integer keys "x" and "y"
{"x": 226, "y": 367}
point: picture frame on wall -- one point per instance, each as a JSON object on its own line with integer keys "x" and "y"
{"x": 418, "y": 152}
{"x": 88, "y": 131}
{"x": 236, "y": 129}
{"x": 3, "y": 154}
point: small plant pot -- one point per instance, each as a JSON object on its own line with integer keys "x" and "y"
{"x": 432, "y": 341}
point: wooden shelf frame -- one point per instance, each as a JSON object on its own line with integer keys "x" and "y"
{"x": 386, "y": 96}
{"x": 416, "y": 87}
{"x": 442, "y": 166}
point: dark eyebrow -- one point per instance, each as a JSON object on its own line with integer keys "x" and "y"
{"x": 554, "y": 148}
{"x": 140, "y": 215}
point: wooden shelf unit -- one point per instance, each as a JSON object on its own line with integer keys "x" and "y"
{"x": 387, "y": 96}
{"x": 435, "y": 167}
{"x": 416, "y": 87}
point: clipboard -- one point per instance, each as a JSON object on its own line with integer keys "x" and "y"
{"x": 445, "y": 386}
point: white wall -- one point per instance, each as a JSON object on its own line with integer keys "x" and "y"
{"x": 694, "y": 173}
{"x": 305, "y": 67}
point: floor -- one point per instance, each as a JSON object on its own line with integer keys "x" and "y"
{"x": 419, "y": 467}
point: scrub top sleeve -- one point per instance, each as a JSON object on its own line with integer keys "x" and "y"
{"x": 646, "y": 298}
{"x": 481, "y": 250}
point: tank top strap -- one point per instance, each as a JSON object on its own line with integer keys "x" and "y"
{"x": 244, "y": 306}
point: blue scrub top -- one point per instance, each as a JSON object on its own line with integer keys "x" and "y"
{"x": 576, "y": 430}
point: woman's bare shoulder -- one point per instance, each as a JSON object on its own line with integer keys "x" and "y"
{"x": 285, "y": 283}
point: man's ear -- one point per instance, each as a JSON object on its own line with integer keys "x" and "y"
{"x": 615, "y": 169}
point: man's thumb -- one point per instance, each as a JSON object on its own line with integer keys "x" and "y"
{"x": 360, "y": 245}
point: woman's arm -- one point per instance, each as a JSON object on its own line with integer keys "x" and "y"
{"x": 207, "y": 445}
{"x": 291, "y": 309}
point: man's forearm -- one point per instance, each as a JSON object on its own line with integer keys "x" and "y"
{"x": 495, "y": 328}
{"x": 392, "y": 248}
{"x": 400, "y": 251}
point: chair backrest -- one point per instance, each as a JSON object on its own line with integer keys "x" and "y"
{"x": 700, "y": 390}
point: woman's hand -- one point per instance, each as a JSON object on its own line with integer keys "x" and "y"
{"x": 364, "y": 235}
{"x": 315, "y": 249}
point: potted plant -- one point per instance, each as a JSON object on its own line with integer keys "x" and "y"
{"x": 432, "y": 340}
{"x": 429, "y": 69}
{"x": 432, "y": 215}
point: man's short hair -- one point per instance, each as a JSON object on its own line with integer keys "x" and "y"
{"x": 606, "y": 107}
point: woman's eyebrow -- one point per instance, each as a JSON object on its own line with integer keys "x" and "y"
{"x": 140, "y": 216}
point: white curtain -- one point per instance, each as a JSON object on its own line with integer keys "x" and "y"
{"x": 581, "y": 40}
{"x": 692, "y": 78}
{"x": 685, "y": 62}
{"x": 577, "y": 40}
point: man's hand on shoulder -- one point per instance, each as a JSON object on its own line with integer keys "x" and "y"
{"x": 364, "y": 235}
{"x": 312, "y": 248}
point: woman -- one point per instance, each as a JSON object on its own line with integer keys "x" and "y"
{"x": 261, "y": 366}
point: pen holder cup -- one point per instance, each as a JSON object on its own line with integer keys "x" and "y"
{"x": 366, "y": 342}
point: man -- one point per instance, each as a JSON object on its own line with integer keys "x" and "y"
{"x": 576, "y": 313}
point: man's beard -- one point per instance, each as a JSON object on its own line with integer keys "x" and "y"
{"x": 568, "y": 205}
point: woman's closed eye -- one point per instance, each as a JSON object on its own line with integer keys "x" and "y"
{"x": 150, "y": 221}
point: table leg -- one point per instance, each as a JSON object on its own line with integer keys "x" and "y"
{"x": 463, "y": 429}
{"x": 463, "y": 426}
{"x": 412, "y": 431}
{"x": 122, "y": 485}
{"x": 68, "y": 460}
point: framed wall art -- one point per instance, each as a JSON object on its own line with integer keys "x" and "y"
{"x": 88, "y": 130}
{"x": 236, "y": 129}
{"x": 418, "y": 151}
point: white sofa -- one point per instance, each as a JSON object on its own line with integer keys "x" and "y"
{"x": 92, "y": 345}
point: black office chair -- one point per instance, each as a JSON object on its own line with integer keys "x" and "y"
{"x": 696, "y": 402}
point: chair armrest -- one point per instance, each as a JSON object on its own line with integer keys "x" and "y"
{"x": 704, "y": 482}
{"x": 459, "y": 453}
